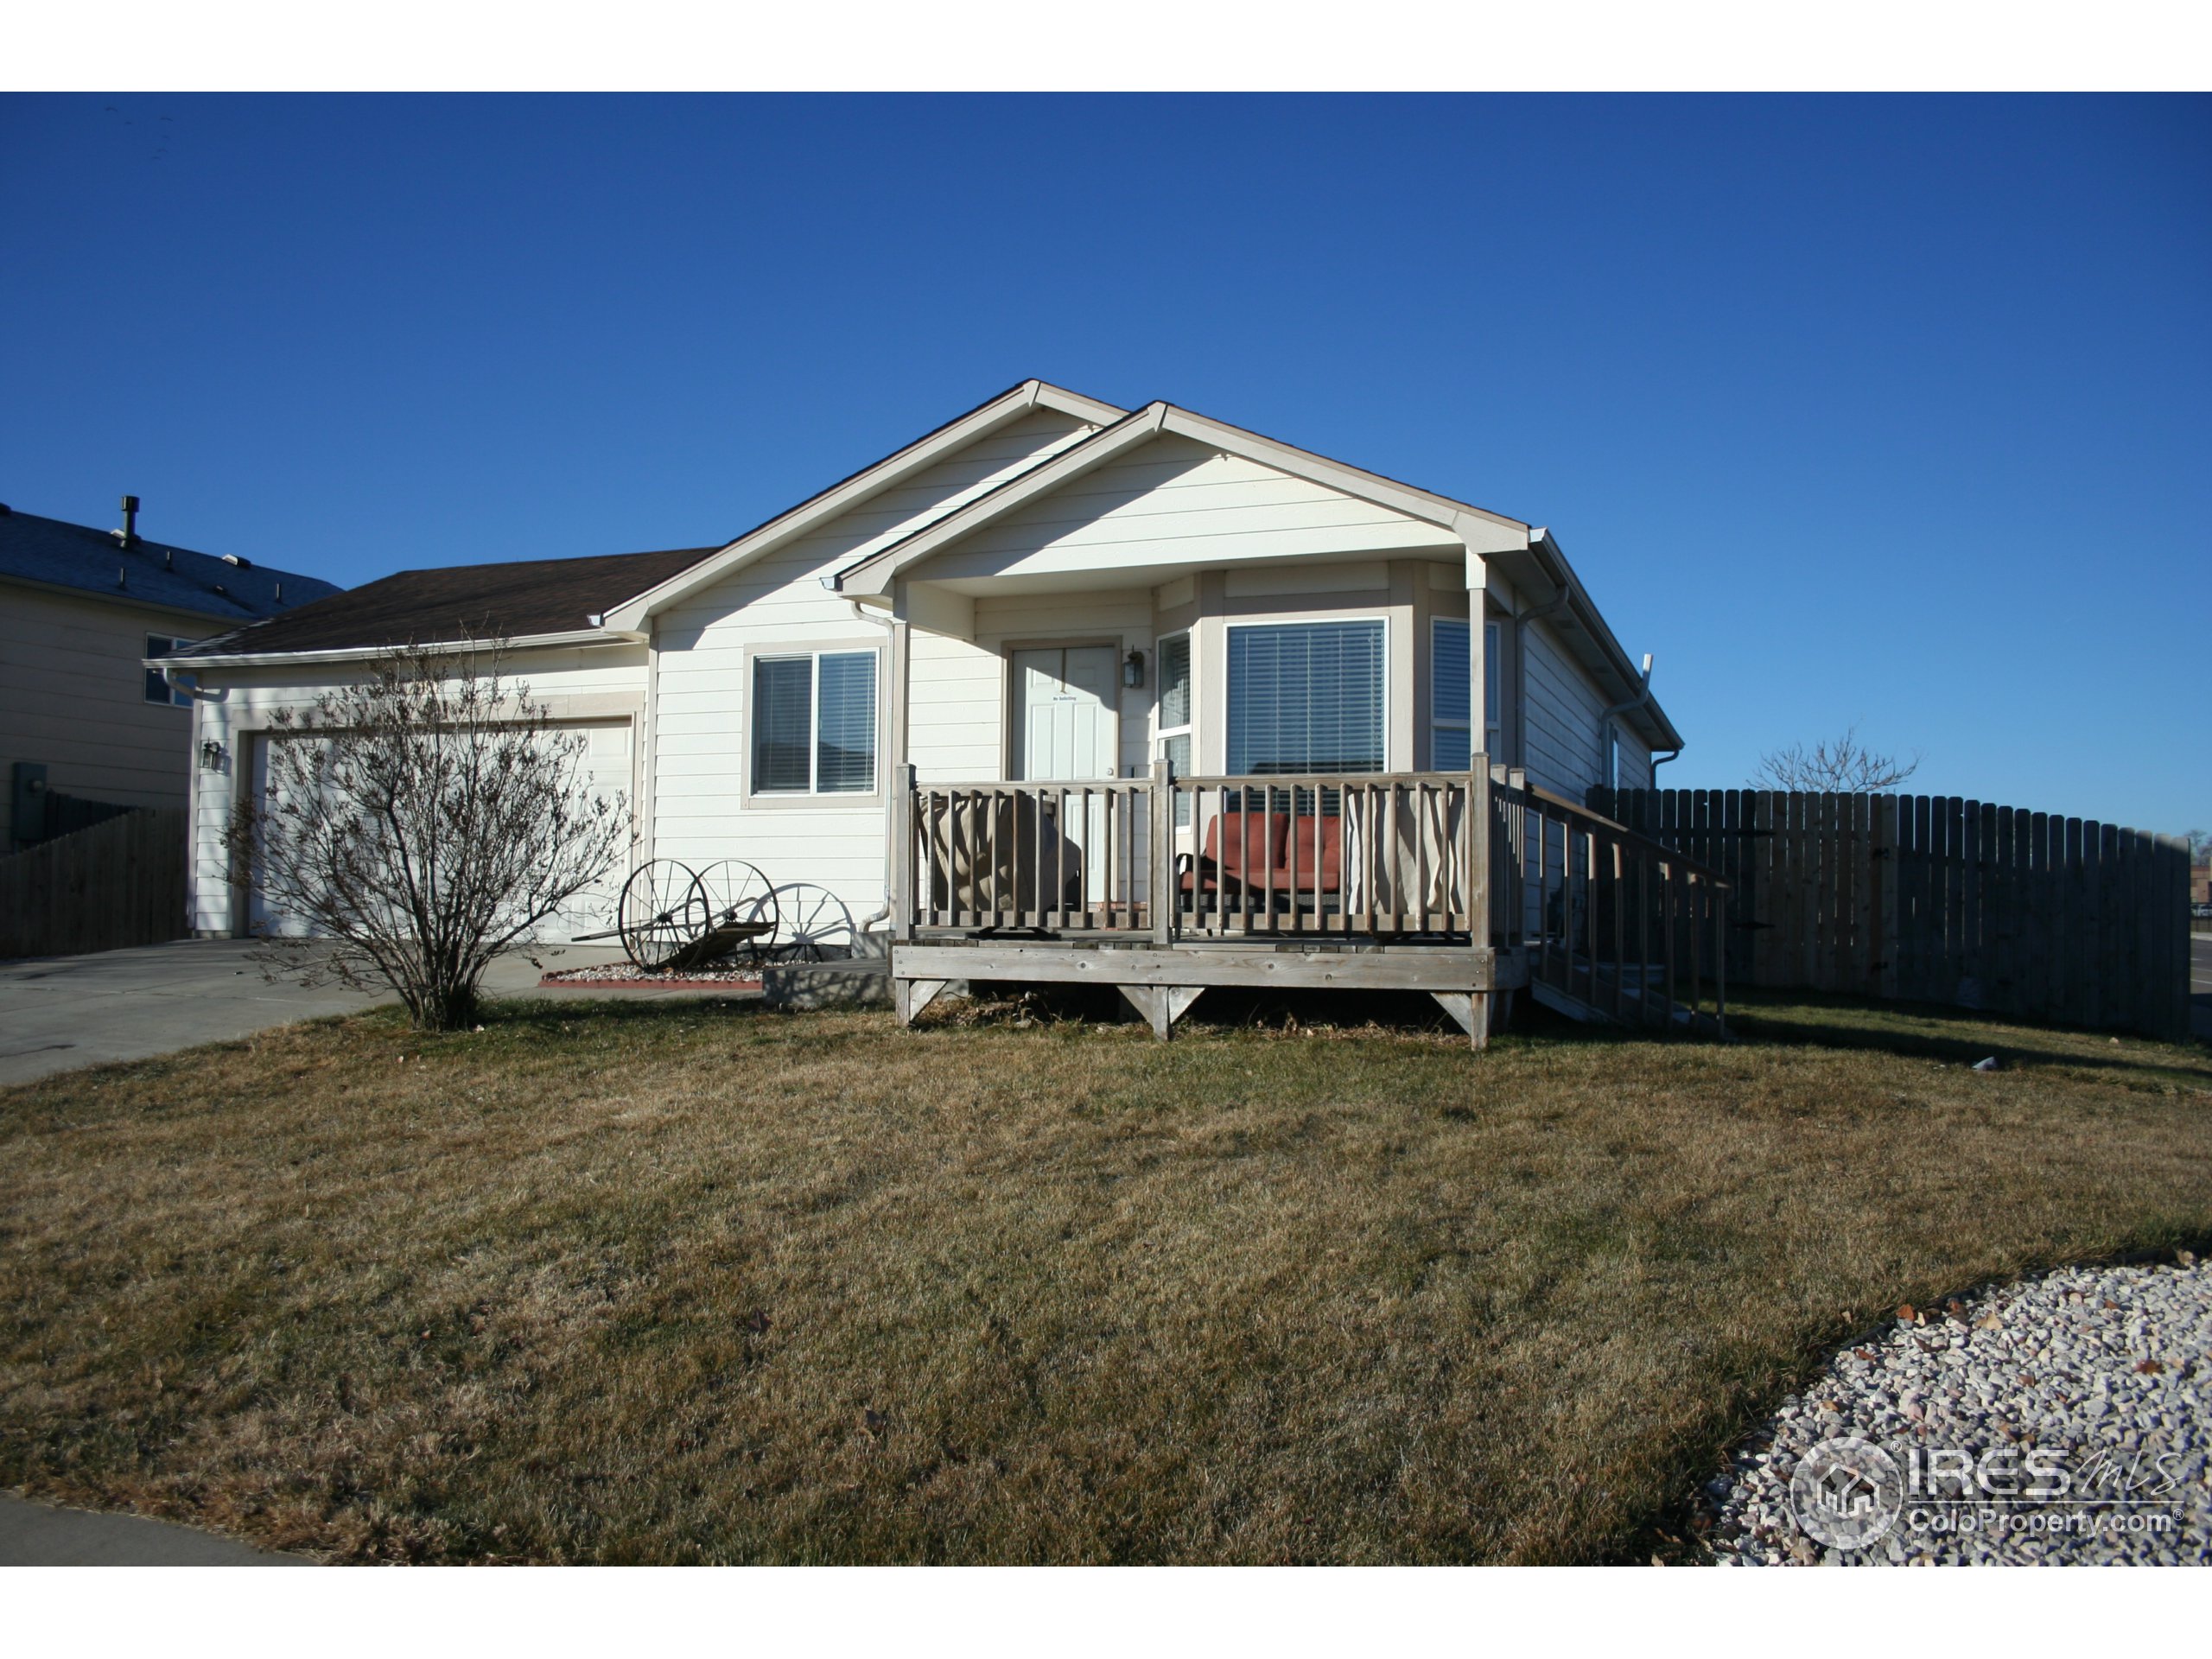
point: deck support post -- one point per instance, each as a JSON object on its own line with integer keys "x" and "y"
{"x": 910, "y": 996}
{"x": 1160, "y": 1005}
{"x": 1161, "y": 874}
{"x": 1472, "y": 1009}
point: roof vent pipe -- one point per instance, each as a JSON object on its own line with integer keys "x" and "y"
{"x": 129, "y": 534}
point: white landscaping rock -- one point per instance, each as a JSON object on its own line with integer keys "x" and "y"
{"x": 2111, "y": 1367}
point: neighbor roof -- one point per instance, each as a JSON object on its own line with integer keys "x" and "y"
{"x": 61, "y": 555}
{"x": 513, "y": 601}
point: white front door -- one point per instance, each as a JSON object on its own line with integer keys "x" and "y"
{"x": 1064, "y": 723}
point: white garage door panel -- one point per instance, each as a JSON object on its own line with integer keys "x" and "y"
{"x": 607, "y": 765}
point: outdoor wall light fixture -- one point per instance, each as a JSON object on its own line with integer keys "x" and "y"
{"x": 211, "y": 756}
{"x": 1133, "y": 669}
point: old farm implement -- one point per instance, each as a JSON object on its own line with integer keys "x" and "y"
{"x": 673, "y": 918}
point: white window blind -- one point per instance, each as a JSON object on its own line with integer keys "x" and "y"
{"x": 814, "y": 724}
{"x": 1306, "y": 696}
{"x": 844, "y": 744}
{"x": 1449, "y": 695}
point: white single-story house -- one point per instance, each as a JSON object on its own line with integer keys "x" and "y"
{"x": 1046, "y": 596}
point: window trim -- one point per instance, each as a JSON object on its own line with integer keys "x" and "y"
{"x": 160, "y": 645}
{"x": 1389, "y": 646}
{"x": 811, "y": 798}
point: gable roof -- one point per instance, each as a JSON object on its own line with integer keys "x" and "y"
{"x": 1485, "y": 532}
{"x": 1527, "y": 555}
{"x": 58, "y": 554}
{"x": 532, "y": 599}
{"x": 848, "y": 492}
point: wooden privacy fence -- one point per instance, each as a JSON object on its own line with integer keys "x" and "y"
{"x": 1935, "y": 898}
{"x": 119, "y": 883}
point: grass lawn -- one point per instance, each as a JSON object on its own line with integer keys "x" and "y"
{"x": 666, "y": 1284}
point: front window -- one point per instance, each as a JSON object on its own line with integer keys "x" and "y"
{"x": 1449, "y": 695}
{"x": 814, "y": 724}
{"x": 1307, "y": 697}
{"x": 1174, "y": 718}
{"x": 157, "y": 688}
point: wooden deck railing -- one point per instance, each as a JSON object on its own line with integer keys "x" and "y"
{"x": 1621, "y": 924}
{"x": 1626, "y": 926}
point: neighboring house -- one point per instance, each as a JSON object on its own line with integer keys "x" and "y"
{"x": 1047, "y": 589}
{"x": 87, "y": 723}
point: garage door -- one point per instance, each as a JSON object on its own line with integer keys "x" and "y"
{"x": 607, "y": 762}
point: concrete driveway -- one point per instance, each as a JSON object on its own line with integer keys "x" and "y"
{"x": 60, "y": 1012}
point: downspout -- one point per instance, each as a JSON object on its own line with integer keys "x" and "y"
{"x": 1521, "y": 618}
{"x": 170, "y": 670}
{"x": 893, "y": 628}
{"x": 1606, "y": 721}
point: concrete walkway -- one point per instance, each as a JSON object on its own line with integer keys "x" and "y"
{"x": 60, "y": 1012}
{"x": 39, "y": 1534}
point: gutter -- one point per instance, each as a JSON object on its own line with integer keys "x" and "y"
{"x": 593, "y": 636}
{"x": 894, "y": 630}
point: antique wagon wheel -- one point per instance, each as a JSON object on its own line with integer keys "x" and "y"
{"x": 739, "y": 908}
{"x": 814, "y": 926}
{"x": 660, "y": 914}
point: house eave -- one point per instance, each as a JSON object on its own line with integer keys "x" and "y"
{"x": 634, "y": 614}
{"x": 572, "y": 636}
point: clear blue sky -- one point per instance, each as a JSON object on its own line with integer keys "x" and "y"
{"x": 1884, "y": 410}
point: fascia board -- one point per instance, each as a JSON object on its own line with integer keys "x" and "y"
{"x": 875, "y": 573}
{"x": 1075, "y": 404}
{"x": 1508, "y": 534}
{"x": 631, "y": 614}
{"x": 373, "y": 653}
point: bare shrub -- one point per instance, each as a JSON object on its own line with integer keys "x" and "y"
{"x": 420, "y": 822}
{"x": 1840, "y": 765}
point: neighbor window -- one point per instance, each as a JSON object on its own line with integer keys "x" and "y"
{"x": 1174, "y": 717}
{"x": 157, "y": 688}
{"x": 814, "y": 724}
{"x": 1306, "y": 696}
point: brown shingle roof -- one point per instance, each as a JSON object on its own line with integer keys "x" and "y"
{"x": 462, "y": 602}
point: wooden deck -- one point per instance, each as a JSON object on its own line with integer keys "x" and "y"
{"x": 1468, "y": 886}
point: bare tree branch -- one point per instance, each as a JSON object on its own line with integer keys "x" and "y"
{"x": 1842, "y": 765}
{"x": 421, "y": 823}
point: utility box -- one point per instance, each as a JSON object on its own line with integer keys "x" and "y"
{"x": 27, "y": 801}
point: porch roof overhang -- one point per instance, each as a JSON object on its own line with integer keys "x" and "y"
{"x": 1528, "y": 557}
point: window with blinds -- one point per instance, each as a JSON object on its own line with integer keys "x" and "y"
{"x": 1174, "y": 720}
{"x": 1448, "y": 694}
{"x": 1306, "y": 696}
{"x": 814, "y": 724}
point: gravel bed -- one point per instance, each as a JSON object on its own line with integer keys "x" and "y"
{"x": 622, "y": 973}
{"x": 2102, "y": 1375}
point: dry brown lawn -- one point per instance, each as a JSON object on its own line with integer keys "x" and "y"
{"x": 714, "y": 1284}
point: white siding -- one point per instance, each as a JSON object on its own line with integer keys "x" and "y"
{"x": 1175, "y": 501}
{"x": 602, "y": 688}
{"x": 956, "y": 691}
{"x": 700, "y": 810}
{"x": 1564, "y": 709}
